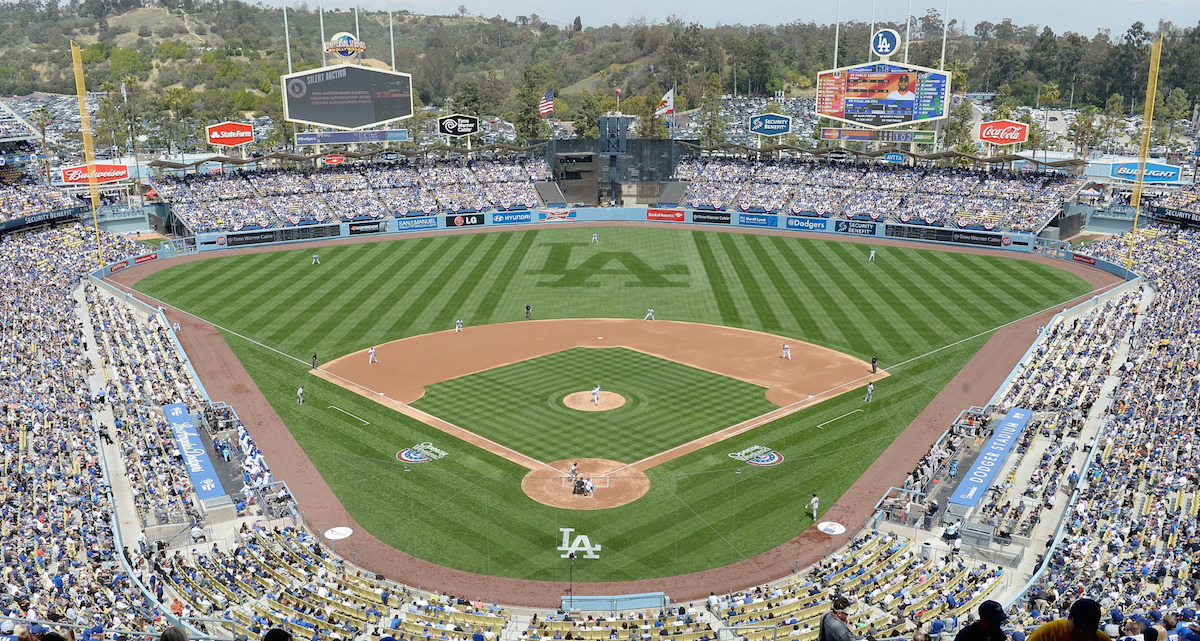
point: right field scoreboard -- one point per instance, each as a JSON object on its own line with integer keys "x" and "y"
{"x": 883, "y": 94}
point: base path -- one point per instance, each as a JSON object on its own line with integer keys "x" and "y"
{"x": 225, "y": 379}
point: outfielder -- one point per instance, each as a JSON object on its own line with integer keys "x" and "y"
{"x": 316, "y": 259}
{"x": 787, "y": 352}
{"x": 871, "y": 258}
{"x": 595, "y": 238}
{"x": 596, "y": 395}
{"x": 458, "y": 326}
{"x": 371, "y": 356}
{"x": 649, "y": 314}
{"x": 870, "y": 390}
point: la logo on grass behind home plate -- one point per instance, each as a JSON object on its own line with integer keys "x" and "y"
{"x": 581, "y": 543}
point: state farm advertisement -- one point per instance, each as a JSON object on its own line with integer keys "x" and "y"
{"x": 105, "y": 173}
{"x": 1003, "y": 132}
{"x": 229, "y": 134}
{"x": 669, "y": 215}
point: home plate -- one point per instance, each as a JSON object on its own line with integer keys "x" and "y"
{"x": 599, "y": 338}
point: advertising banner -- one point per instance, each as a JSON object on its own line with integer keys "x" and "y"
{"x": 105, "y": 173}
{"x": 145, "y": 258}
{"x": 758, "y": 220}
{"x": 199, "y": 467}
{"x": 465, "y": 220}
{"x": 802, "y": 223}
{"x": 1154, "y": 173}
{"x": 1003, "y": 132}
{"x": 1086, "y": 260}
{"x": 412, "y": 224}
{"x": 373, "y": 227}
{"x": 552, "y": 215}
{"x": 667, "y": 215}
{"x": 229, "y": 134}
{"x": 857, "y": 227}
{"x": 506, "y": 218}
{"x": 718, "y": 217}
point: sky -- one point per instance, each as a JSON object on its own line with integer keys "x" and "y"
{"x": 1082, "y": 16}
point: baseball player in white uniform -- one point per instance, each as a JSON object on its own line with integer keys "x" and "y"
{"x": 595, "y": 238}
{"x": 458, "y": 326}
{"x": 596, "y": 395}
{"x": 871, "y": 258}
{"x": 814, "y": 504}
{"x": 787, "y": 352}
{"x": 316, "y": 259}
{"x": 371, "y": 356}
{"x": 649, "y": 314}
{"x": 870, "y": 391}
{"x": 300, "y": 395}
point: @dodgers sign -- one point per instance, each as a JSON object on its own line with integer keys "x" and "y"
{"x": 885, "y": 42}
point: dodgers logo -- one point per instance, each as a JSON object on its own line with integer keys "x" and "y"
{"x": 581, "y": 543}
{"x": 806, "y": 223}
{"x": 758, "y": 455}
{"x": 420, "y": 453}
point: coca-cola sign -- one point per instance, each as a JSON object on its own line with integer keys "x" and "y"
{"x": 229, "y": 134}
{"x": 1003, "y": 132}
{"x": 78, "y": 175}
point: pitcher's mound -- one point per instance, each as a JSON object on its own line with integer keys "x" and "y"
{"x": 554, "y": 488}
{"x": 582, "y": 401}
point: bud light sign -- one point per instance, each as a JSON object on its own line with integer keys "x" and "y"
{"x": 1155, "y": 172}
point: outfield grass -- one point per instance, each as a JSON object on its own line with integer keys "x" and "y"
{"x": 666, "y": 404}
{"x": 467, "y": 511}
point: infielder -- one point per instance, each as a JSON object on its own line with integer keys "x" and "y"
{"x": 596, "y": 395}
{"x": 787, "y": 352}
{"x": 649, "y": 314}
{"x": 371, "y": 356}
{"x": 870, "y": 390}
{"x": 871, "y": 258}
{"x": 595, "y": 238}
{"x": 316, "y": 259}
{"x": 814, "y": 504}
{"x": 458, "y": 326}
{"x": 300, "y": 395}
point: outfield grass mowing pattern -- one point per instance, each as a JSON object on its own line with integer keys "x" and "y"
{"x": 666, "y": 404}
{"x": 467, "y": 511}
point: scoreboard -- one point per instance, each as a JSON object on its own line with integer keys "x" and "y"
{"x": 881, "y": 95}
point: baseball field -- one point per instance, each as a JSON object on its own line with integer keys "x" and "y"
{"x": 460, "y": 503}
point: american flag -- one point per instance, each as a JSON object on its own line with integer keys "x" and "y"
{"x": 547, "y": 104}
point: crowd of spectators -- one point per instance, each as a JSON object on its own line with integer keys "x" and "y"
{"x": 963, "y": 198}
{"x": 21, "y": 195}
{"x": 1186, "y": 199}
{"x": 266, "y": 198}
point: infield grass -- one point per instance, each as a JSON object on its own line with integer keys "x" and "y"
{"x": 666, "y": 404}
{"x": 467, "y": 511}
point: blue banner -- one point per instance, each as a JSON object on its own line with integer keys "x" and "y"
{"x": 854, "y": 227}
{"x": 806, "y": 224}
{"x": 757, "y": 220}
{"x": 423, "y": 222}
{"x": 1154, "y": 172}
{"x": 504, "y": 218}
{"x": 195, "y": 457}
{"x": 978, "y": 478}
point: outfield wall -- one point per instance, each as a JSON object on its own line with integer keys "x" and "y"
{"x": 313, "y": 230}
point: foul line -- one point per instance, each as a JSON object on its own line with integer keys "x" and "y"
{"x": 822, "y": 425}
{"x": 335, "y": 407}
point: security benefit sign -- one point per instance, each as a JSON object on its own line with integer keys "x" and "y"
{"x": 195, "y": 458}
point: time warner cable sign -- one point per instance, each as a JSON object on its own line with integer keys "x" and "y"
{"x": 1155, "y": 172}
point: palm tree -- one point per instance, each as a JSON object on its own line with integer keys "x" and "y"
{"x": 130, "y": 83}
{"x": 44, "y": 116}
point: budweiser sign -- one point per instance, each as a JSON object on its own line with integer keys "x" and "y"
{"x": 1003, "y": 132}
{"x": 334, "y": 159}
{"x": 78, "y": 175}
{"x": 229, "y": 134}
